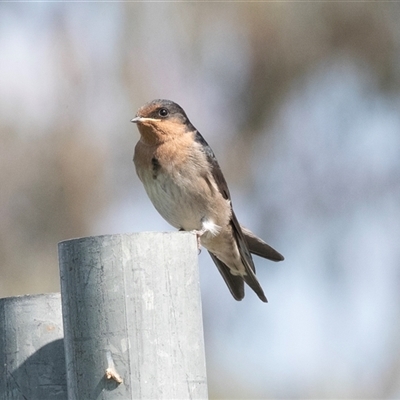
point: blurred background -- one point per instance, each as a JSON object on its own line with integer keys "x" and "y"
{"x": 301, "y": 104}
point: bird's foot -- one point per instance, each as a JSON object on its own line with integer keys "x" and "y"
{"x": 111, "y": 372}
{"x": 198, "y": 236}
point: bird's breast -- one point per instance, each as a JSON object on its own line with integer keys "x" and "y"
{"x": 180, "y": 186}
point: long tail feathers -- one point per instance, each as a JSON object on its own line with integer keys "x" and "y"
{"x": 244, "y": 251}
{"x": 259, "y": 247}
{"x": 235, "y": 283}
{"x": 247, "y": 243}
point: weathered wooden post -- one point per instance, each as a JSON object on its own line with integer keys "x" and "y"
{"x": 32, "y": 362}
{"x": 132, "y": 317}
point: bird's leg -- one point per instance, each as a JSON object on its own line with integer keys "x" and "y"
{"x": 111, "y": 372}
{"x": 198, "y": 236}
{"x": 209, "y": 226}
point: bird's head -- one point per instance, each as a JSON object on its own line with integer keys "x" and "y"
{"x": 161, "y": 120}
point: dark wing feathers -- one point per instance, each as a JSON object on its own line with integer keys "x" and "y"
{"x": 247, "y": 242}
{"x": 234, "y": 283}
{"x": 250, "y": 277}
{"x": 215, "y": 168}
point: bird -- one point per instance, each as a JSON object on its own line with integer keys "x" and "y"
{"x": 184, "y": 181}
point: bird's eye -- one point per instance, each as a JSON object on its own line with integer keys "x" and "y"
{"x": 163, "y": 112}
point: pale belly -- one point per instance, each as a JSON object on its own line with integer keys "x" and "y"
{"x": 191, "y": 206}
{"x": 186, "y": 204}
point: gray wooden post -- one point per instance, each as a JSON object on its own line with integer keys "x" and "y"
{"x": 132, "y": 317}
{"x": 32, "y": 362}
